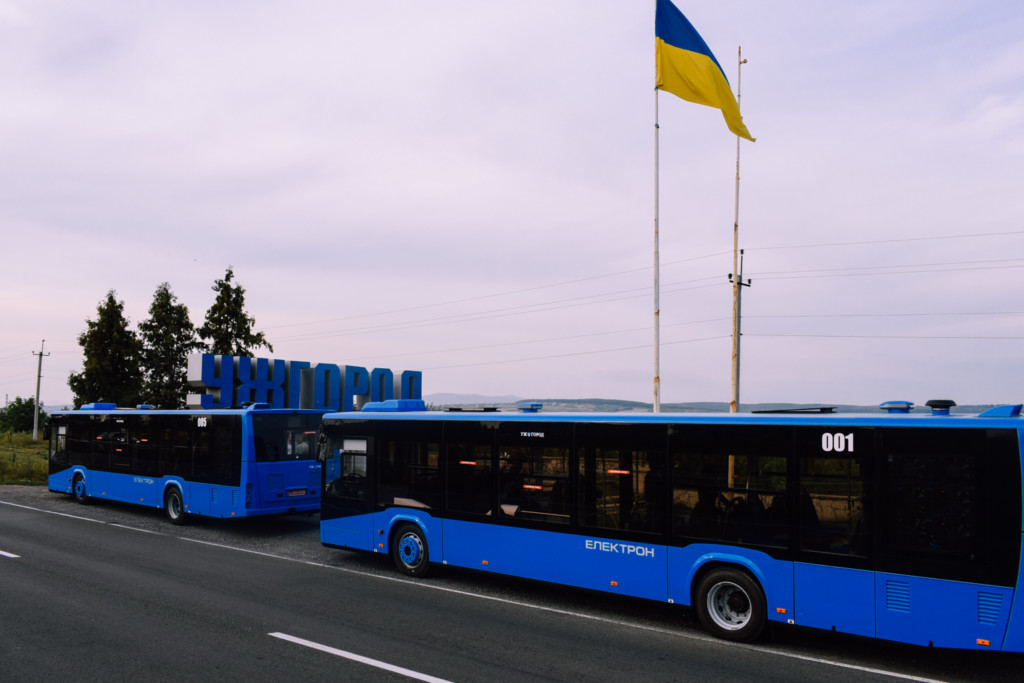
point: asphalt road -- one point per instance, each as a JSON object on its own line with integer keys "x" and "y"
{"x": 107, "y": 591}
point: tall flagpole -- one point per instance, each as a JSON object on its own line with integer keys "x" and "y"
{"x": 657, "y": 270}
{"x": 737, "y": 275}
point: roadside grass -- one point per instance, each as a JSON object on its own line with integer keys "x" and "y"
{"x": 21, "y": 460}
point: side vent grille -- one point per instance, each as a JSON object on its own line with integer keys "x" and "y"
{"x": 213, "y": 494}
{"x": 234, "y": 497}
{"x": 990, "y": 605}
{"x": 897, "y": 596}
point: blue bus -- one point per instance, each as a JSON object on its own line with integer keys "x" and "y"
{"x": 212, "y": 463}
{"x": 898, "y": 525}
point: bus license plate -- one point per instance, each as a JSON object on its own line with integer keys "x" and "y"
{"x": 297, "y": 492}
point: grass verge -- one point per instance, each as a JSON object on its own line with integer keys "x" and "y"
{"x": 22, "y": 461}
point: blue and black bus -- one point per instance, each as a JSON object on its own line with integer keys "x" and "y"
{"x": 212, "y": 463}
{"x": 898, "y": 525}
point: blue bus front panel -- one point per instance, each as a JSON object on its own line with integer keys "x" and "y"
{"x": 60, "y": 482}
{"x": 350, "y": 531}
{"x": 1014, "y": 640}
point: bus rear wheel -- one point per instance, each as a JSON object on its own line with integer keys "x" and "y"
{"x": 78, "y": 489}
{"x": 410, "y": 552}
{"x": 174, "y": 506}
{"x": 731, "y": 605}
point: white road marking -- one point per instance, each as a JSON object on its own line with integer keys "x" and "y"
{"x": 10, "y": 555}
{"x": 518, "y": 603}
{"x": 84, "y": 519}
{"x": 359, "y": 658}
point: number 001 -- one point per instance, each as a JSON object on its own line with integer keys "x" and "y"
{"x": 838, "y": 443}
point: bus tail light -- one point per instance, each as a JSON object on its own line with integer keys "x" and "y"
{"x": 248, "y": 495}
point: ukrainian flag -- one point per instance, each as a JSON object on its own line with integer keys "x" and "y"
{"x": 687, "y": 68}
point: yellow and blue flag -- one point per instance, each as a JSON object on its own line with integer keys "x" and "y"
{"x": 687, "y": 68}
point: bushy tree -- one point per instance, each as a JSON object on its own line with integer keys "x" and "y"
{"x": 228, "y": 327}
{"x": 19, "y": 415}
{"x": 168, "y": 337}
{"x": 111, "y": 365}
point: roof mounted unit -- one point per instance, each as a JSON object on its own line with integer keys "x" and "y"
{"x": 897, "y": 406}
{"x": 395, "y": 405}
{"x": 530, "y": 406}
{"x": 99, "y": 406}
{"x": 940, "y": 406}
{"x": 798, "y": 411}
{"x": 1003, "y": 411}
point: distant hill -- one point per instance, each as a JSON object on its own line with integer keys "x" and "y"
{"x": 610, "y": 405}
{"x": 475, "y": 400}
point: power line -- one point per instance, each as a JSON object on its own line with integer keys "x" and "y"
{"x": 882, "y": 315}
{"x": 700, "y": 339}
{"x": 524, "y": 309}
{"x": 892, "y": 272}
{"x": 552, "y": 339}
{"x": 887, "y": 241}
{"x": 773, "y": 275}
{"x": 576, "y": 353}
{"x": 887, "y": 336}
{"x": 483, "y": 297}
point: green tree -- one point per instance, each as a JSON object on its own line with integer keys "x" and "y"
{"x": 228, "y": 327}
{"x": 168, "y": 337}
{"x": 19, "y": 414}
{"x": 111, "y": 363}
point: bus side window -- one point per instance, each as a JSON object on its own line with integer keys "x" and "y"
{"x": 729, "y": 483}
{"x": 469, "y": 478}
{"x": 408, "y": 473}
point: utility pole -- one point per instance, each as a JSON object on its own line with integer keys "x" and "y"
{"x": 39, "y": 376}
{"x": 738, "y": 285}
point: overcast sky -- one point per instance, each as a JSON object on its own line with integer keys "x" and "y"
{"x": 466, "y": 188}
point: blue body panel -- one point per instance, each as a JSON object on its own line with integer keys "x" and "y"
{"x": 832, "y": 595}
{"x": 835, "y": 597}
{"x": 265, "y": 488}
{"x": 926, "y": 611}
{"x": 283, "y": 486}
{"x": 635, "y": 569}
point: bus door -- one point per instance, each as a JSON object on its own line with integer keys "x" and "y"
{"x": 345, "y": 519}
{"x": 834, "y": 583}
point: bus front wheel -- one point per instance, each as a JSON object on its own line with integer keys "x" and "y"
{"x": 174, "y": 506}
{"x": 78, "y": 489}
{"x": 409, "y": 550}
{"x": 731, "y": 605}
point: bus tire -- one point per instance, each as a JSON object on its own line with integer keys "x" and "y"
{"x": 731, "y": 605}
{"x": 409, "y": 551}
{"x": 174, "y": 506}
{"x": 78, "y": 489}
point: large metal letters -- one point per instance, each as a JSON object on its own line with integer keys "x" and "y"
{"x": 232, "y": 381}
